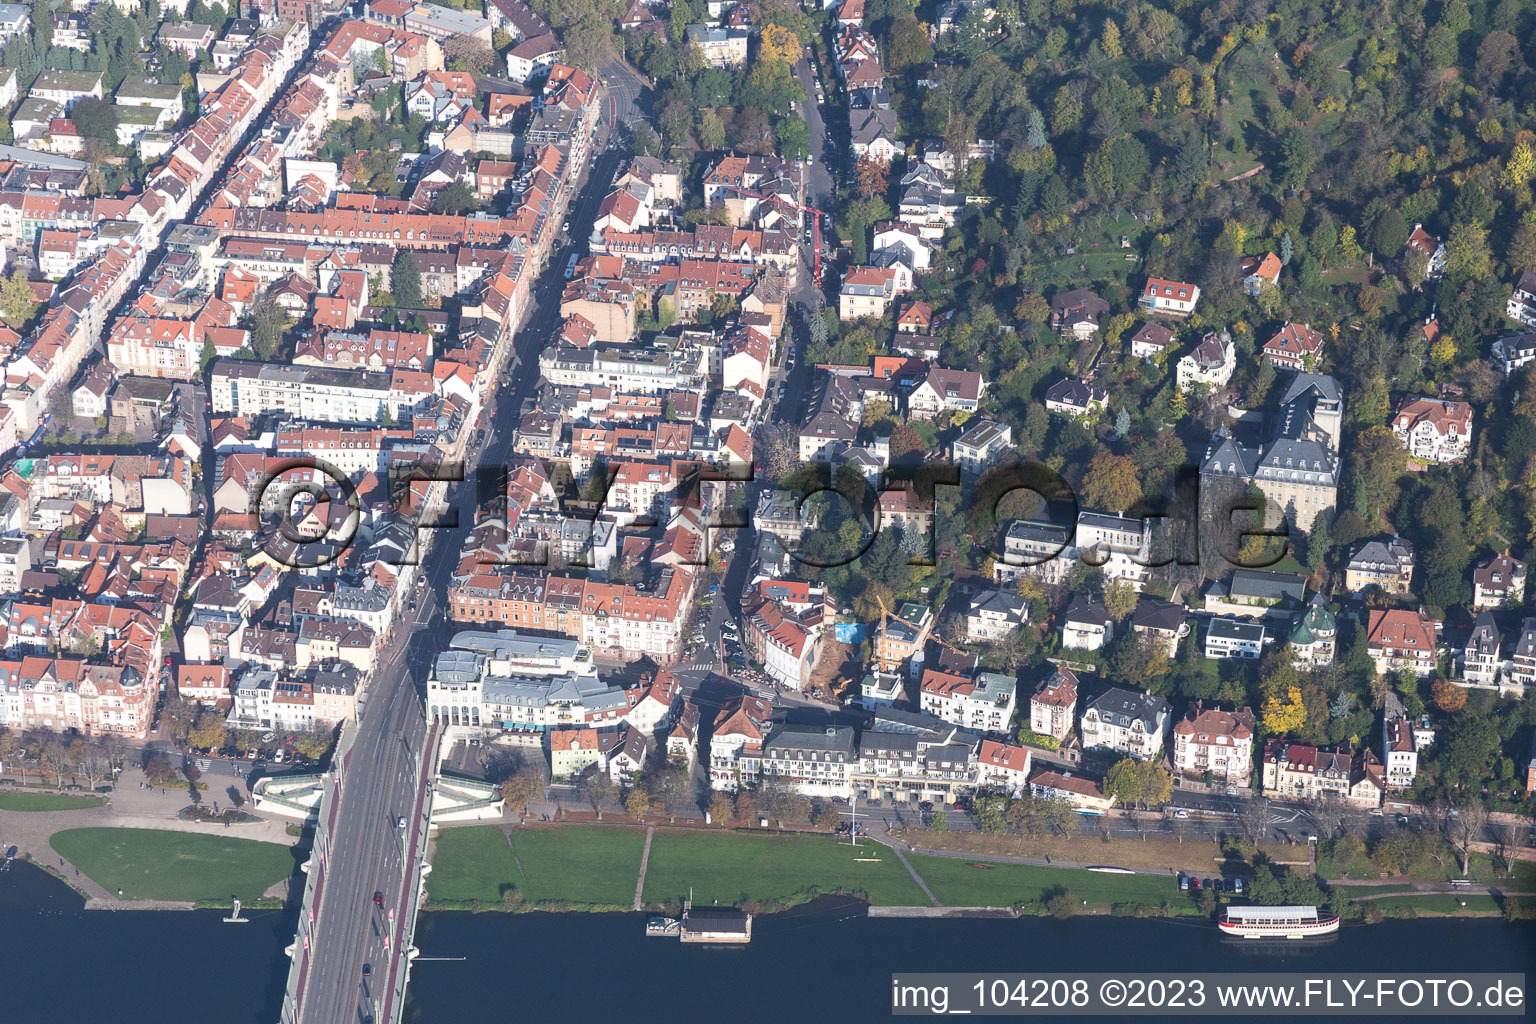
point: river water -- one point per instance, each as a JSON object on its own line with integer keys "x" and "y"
{"x": 823, "y": 961}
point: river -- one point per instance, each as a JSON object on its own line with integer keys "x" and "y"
{"x": 818, "y": 962}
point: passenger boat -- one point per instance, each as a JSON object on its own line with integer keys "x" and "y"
{"x": 1276, "y": 922}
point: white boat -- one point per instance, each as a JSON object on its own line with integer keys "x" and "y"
{"x": 1276, "y": 922}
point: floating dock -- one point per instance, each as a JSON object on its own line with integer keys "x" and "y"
{"x": 716, "y": 926}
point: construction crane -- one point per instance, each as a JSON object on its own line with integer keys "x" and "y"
{"x": 816, "y": 216}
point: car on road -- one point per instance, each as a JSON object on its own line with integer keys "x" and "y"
{"x": 378, "y": 898}
{"x": 367, "y": 969}
{"x": 402, "y": 821}
{"x": 1402, "y": 819}
{"x": 1181, "y": 813}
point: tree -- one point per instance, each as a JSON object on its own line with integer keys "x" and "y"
{"x": 670, "y": 790}
{"x": 711, "y": 129}
{"x": 177, "y": 718}
{"x": 1467, "y": 255}
{"x": 314, "y": 743}
{"x": 826, "y": 815}
{"x": 523, "y": 787}
{"x": 210, "y": 732}
{"x": 870, "y": 177}
{"x": 455, "y": 200}
{"x": 1255, "y": 819}
{"x": 1496, "y": 54}
{"x": 1469, "y": 747}
{"x": 1284, "y": 712}
{"x": 160, "y": 770}
{"x": 1467, "y": 828}
{"x": 1122, "y": 783}
{"x": 1112, "y": 482}
{"x": 1035, "y": 137}
{"x": 468, "y": 54}
{"x": 1119, "y": 600}
{"x": 1378, "y": 463}
{"x": 18, "y": 303}
{"x": 598, "y": 787}
{"x": 782, "y": 803}
{"x": 721, "y": 810}
{"x": 1390, "y": 233}
{"x": 266, "y": 320}
{"x": 794, "y": 137}
{"x": 1109, "y": 42}
{"x": 1447, "y": 696}
{"x": 95, "y": 119}
{"x": 778, "y": 45}
{"x": 907, "y": 45}
{"x": 405, "y": 280}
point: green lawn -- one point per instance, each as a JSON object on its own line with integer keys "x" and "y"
{"x": 1355, "y": 892}
{"x": 154, "y": 865}
{"x": 579, "y": 864}
{"x": 957, "y": 883}
{"x": 47, "y": 802}
{"x": 1437, "y": 903}
{"x": 734, "y": 867}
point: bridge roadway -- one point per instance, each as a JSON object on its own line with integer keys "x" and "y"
{"x": 382, "y": 775}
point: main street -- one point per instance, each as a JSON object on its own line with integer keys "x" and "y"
{"x": 379, "y": 785}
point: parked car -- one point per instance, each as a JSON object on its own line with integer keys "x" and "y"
{"x": 1184, "y": 883}
{"x": 1237, "y": 886}
{"x": 1194, "y": 885}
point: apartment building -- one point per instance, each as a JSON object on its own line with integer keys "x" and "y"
{"x": 1399, "y": 639}
{"x": 1433, "y": 429}
{"x": 1215, "y": 741}
{"x": 1126, "y": 722}
{"x": 1053, "y": 705}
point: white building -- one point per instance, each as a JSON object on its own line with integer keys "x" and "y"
{"x": 1087, "y": 625}
{"x": 983, "y": 703}
{"x": 736, "y": 748}
{"x": 1400, "y": 745}
{"x": 1002, "y": 766}
{"x": 993, "y": 614}
{"x": 1126, "y": 722}
{"x": 814, "y": 760}
{"x": 1234, "y": 638}
{"x": 1433, "y": 429}
{"x": 1174, "y": 298}
{"x": 1210, "y": 363}
{"x": 1053, "y": 706}
{"x": 1215, "y": 741}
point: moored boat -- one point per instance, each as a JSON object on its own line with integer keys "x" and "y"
{"x": 1277, "y": 922}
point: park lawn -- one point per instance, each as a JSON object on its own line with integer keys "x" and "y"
{"x": 579, "y": 863}
{"x": 1439, "y": 903}
{"x": 47, "y": 802}
{"x": 473, "y": 863}
{"x": 149, "y": 864}
{"x": 736, "y": 867}
{"x": 1355, "y": 892}
{"x": 957, "y": 883}
{"x": 583, "y": 864}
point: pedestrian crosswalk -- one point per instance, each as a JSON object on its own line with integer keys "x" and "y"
{"x": 696, "y": 666}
